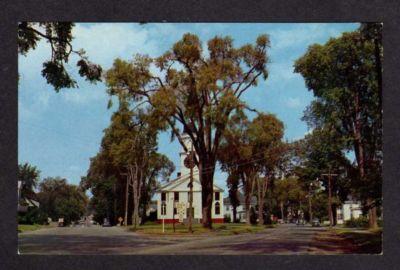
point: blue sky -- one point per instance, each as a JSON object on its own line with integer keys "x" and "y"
{"x": 59, "y": 132}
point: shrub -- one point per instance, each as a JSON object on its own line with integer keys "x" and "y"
{"x": 253, "y": 216}
{"x": 33, "y": 216}
{"x": 227, "y": 219}
{"x": 380, "y": 222}
{"x": 360, "y": 222}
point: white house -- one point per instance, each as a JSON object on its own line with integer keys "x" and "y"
{"x": 349, "y": 210}
{"x": 240, "y": 209}
{"x": 178, "y": 191}
{"x": 24, "y": 203}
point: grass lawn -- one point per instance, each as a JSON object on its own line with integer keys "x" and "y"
{"x": 34, "y": 227}
{"x": 182, "y": 229}
{"x": 366, "y": 241}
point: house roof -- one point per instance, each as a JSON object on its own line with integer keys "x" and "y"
{"x": 170, "y": 186}
{"x": 30, "y": 202}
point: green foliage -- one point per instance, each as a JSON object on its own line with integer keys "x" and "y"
{"x": 345, "y": 77}
{"x": 72, "y": 209}
{"x": 29, "y": 177}
{"x": 128, "y": 139}
{"x": 56, "y": 75}
{"x": 233, "y": 186}
{"x": 253, "y": 144}
{"x": 319, "y": 205}
{"x": 59, "y": 35}
{"x": 34, "y": 215}
{"x": 361, "y": 222}
{"x": 289, "y": 191}
{"x": 58, "y": 199}
{"x": 202, "y": 94}
{"x": 321, "y": 152}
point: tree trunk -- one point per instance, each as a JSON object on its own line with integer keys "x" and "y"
{"x": 206, "y": 178}
{"x": 372, "y": 215}
{"x": 262, "y": 185}
{"x": 248, "y": 191}
{"x": 373, "y": 222}
{"x": 126, "y": 200}
{"x": 261, "y": 214}
{"x": 282, "y": 217}
{"x": 115, "y": 219}
{"x": 378, "y": 68}
{"x": 234, "y": 211}
{"x": 360, "y": 156}
{"x": 330, "y": 214}
{"x": 144, "y": 210}
{"x": 334, "y": 211}
{"x": 136, "y": 188}
{"x": 310, "y": 214}
{"x": 247, "y": 207}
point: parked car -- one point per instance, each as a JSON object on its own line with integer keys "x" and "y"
{"x": 300, "y": 222}
{"x": 315, "y": 222}
{"x": 106, "y": 223}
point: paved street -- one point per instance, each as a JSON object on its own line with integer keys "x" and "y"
{"x": 284, "y": 239}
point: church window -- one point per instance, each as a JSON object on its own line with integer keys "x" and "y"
{"x": 217, "y": 208}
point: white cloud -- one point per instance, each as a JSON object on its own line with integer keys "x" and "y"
{"x": 281, "y": 72}
{"x": 103, "y": 42}
{"x": 24, "y": 113}
{"x": 32, "y": 100}
{"x": 293, "y": 102}
{"x": 84, "y": 95}
{"x": 300, "y": 34}
{"x": 74, "y": 168}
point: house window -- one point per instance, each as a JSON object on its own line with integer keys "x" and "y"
{"x": 188, "y": 196}
{"x": 175, "y": 211}
{"x": 163, "y": 209}
{"x": 176, "y": 196}
{"x": 217, "y": 196}
{"x": 217, "y": 208}
{"x": 163, "y": 196}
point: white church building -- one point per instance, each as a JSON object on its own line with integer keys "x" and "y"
{"x": 177, "y": 192}
{"x": 350, "y": 209}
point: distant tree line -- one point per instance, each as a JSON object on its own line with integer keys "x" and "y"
{"x": 124, "y": 175}
{"x": 56, "y": 198}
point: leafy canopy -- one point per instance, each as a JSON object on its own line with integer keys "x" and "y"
{"x": 183, "y": 86}
{"x": 59, "y": 36}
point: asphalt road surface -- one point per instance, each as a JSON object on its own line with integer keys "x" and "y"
{"x": 284, "y": 239}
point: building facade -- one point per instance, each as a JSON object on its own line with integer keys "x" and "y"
{"x": 240, "y": 209}
{"x": 177, "y": 192}
{"x": 349, "y": 210}
{"x": 25, "y": 203}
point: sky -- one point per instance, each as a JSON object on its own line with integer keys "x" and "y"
{"x": 60, "y": 132}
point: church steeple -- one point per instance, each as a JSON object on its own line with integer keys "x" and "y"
{"x": 183, "y": 154}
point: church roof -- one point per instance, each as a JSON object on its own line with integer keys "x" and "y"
{"x": 181, "y": 181}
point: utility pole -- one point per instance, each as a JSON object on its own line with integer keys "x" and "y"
{"x": 329, "y": 174}
{"x": 309, "y": 202}
{"x": 115, "y": 202}
{"x": 173, "y": 212}
{"x": 191, "y": 189}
